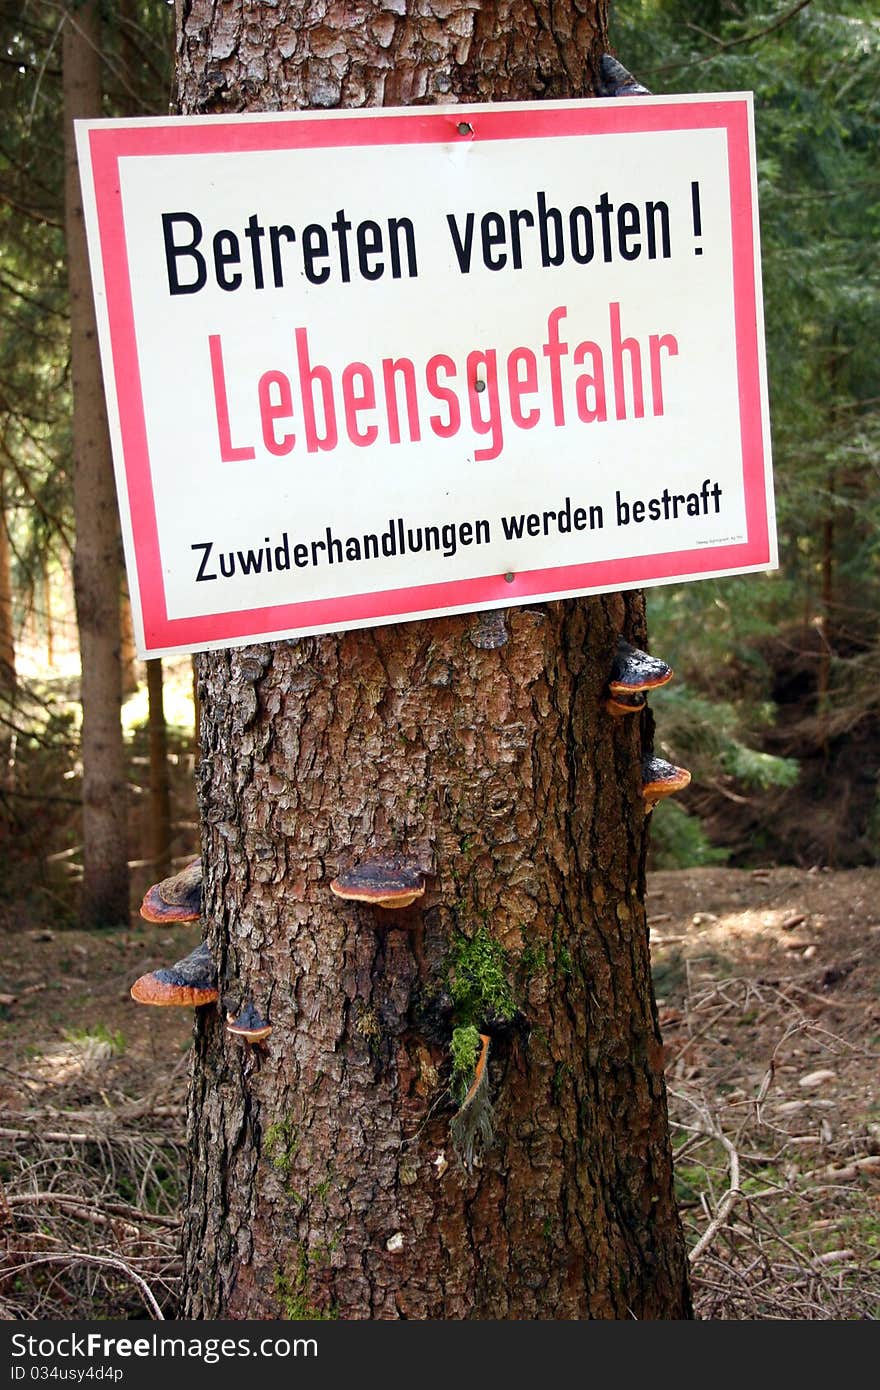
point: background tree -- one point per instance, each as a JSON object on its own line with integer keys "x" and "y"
{"x": 98, "y": 556}
{"x": 160, "y": 782}
{"x": 121, "y": 65}
{"x": 7, "y": 637}
{"x": 324, "y": 1178}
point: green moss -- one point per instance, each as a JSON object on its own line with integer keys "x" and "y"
{"x": 280, "y": 1144}
{"x": 322, "y": 1188}
{"x": 562, "y": 1073}
{"x": 293, "y": 1298}
{"x": 479, "y": 982}
{"x": 369, "y": 1027}
{"x": 562, "y": 957}
{"x": 465, "y": 1049}
{"x": 532, "y": 961}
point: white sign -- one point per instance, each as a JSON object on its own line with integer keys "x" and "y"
{"x": 364, "y": 367}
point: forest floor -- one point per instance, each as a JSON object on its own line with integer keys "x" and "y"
{"x": 768, "y": 989}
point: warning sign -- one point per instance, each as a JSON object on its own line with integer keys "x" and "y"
{"x": 365, "y": 367}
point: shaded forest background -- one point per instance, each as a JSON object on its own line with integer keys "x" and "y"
{"x": 776, "y": 703}
{"x": 775, "y": 706}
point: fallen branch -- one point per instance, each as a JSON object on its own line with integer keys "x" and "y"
{"x": 74, "y": 1257}
{"x": 105, "y": 1213}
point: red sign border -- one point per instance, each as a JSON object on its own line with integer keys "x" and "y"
{"x": 109, "y": 144}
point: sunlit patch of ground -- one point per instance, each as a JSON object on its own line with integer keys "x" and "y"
{"x": 768, "y": 989}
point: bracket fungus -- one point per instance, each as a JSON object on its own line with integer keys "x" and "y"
{"x": 634, "y": 671}
{"x": 389, "y": 882}
{"x": 175, "y": 899}
{"x": 188, "y": 983}
{"x": 616, "y": 81}
{"x": 660, "y": 778}
{"x": 620, "y": 705}
{"x": 249, "y": 1024}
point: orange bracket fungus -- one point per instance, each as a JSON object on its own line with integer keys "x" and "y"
{"x": 660, "y": 778}
{"x": 189, "y": 982}
{"x": 619, "y": 705}
{"x": 634, "y": 671}
{"x": 175, "y": 899}
{"x": 385, "y": 882}
{"x": 249, "y": 1024}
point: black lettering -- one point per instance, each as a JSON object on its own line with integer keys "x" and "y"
{"x": 250, "y": 561}
{"x": 518, "y": 215}
{"x": 369, "y": 243}
{"x": 605, "y": 207}
{"x": 396, "y": 225}
{"x": 342, "y": 227}
{"x": 255, "y": 233}
{"x": 226, "y": 252}
{"x": 275, "y": 235}
{"x": 550, "y": 217}
{"x": 315, "y": 247}
{"x": 652, "y": 211}
{"x": 628, "y": 227}
{"x": 463, "y": 249}
{"x": 580, "y": 227}
{"x": 493, "y": 231}
{"x": 207, "y": 547}
{"x": 173, "y": 252}
{"x": 513, "y": 526}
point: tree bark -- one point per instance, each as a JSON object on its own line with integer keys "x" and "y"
{"x": 128, "y": 671}
{"x": 7, "y": 631}
{"x": 325, "y": 1179}
{"x": 97, "y": 562}
{"x": 160, "y": 781}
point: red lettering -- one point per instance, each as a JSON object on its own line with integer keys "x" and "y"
{"x": 355, "y": 400}
{"x": 518, "y": 386}
{"x": 443, "y": 393}
{"x": 229, "y": 452}
{"x": 270, "y": 411}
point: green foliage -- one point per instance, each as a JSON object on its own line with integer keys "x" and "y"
{"x": 678, "y": 841}
{"x": 97, "y": 1033}
{"x": 818, "y": 125}
{"x": 815, "y": 74}
{"x": 35, "y": 400}
{"x": 709, "y": 737}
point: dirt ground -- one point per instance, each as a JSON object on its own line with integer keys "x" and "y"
{"x": 768, "y": 990}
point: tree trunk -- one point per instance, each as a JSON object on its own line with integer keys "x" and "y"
{"x": 97, "y": 560}
{"x": 7, "y": 631}
{"x": 128, "y": 671}
{"x": 326, "y": 1178}
{"x": 160, "y": 782}
{"x": 48, "y": 615}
